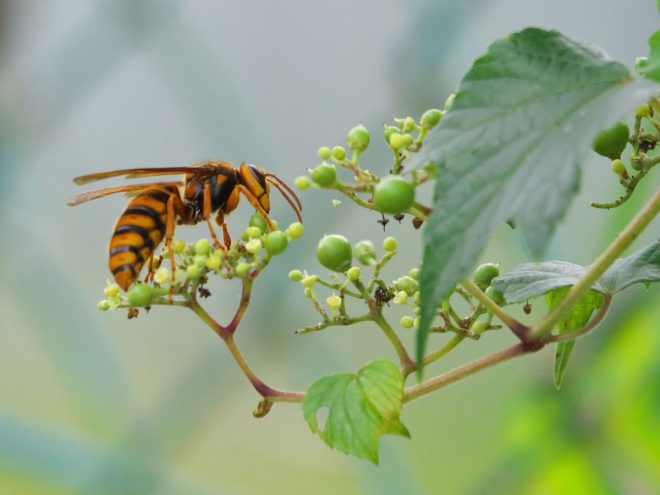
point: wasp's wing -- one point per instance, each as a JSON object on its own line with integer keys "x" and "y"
{"x": 130, "y": 189}
{"x": 136, "y": 172}
{"x": 202, "y": 168}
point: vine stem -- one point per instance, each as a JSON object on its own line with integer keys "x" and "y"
{"x": 542, "y": 329}
{"x": 450, "y": 345}
{"x": 521, "y": 331}
{"x": 407, "y": 363}
{"x": 630, "y": 188}
{"x": 415, "y": 391}
{"x": 270, "y": 394}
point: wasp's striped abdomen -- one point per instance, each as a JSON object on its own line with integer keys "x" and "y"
{"x": 138, "y": 231}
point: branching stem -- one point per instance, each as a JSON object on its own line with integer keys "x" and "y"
{"x": 407, "y": 363}
{"x": 542, "y": 330}
{"x": 521, "y": 331}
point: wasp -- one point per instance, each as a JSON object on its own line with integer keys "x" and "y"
{"x": 210, "y": 189}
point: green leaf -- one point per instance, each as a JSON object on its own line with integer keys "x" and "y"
{"x": 650, "y": 67}
{"x": 577, "y": 318}
{"x": 361, "y": 408}
{"x": 509, "y": 149}
{"x": 531, "y": 280}
{"x": 640, "y": 267}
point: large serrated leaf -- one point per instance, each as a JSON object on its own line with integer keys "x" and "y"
{"x": 531, "y": 280}
{"x": 509, "y": 148}
{"x": 577, "y": 318}
{"x": 650, "y": 67}
{"x": 361, "y": 408}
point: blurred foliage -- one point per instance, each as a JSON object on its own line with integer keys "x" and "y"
{"x": 600, "y": 434}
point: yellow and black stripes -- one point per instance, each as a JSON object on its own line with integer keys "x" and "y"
{"x": 138, "y": 231}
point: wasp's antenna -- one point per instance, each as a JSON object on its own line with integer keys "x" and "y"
{"x": 287, "y": 187}
{"x": 294, "y": 205}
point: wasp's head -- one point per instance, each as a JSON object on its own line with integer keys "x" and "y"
{"x": 258, "y": 182}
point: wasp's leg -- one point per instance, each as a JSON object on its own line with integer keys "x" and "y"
{"x": 254, "y": 201}
{"x": 220, "y": 221}
{"x": 151, "y": 268}
{"x": 206, "y": 213}
{"x": 172, "y": 205}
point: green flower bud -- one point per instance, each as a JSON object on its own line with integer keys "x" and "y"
{"x": 358, "y": 138}
{"x": 398, "y": 140}
{"x": 139, "y": 295}
{"x": 400, "y": 298}
{"x": 104, "y": 305}
{"x": 388, "y": 130}
{"x": 324, "y": 174}
{"x": 408, "y": 124}
{"x": 335, "y": 253}
{"x": 253, "y": 232}
{"x": 194, "y": 272}
{"x": 338, "y": 153}
{"x": 162, "y": 275}
{"x": 484, "y": 274}
{"x": 242, "y": 269}
{"x": 303, "y": 183}
{"x": 394, "y": 195}
{"x": 479, "y": 327}
{"x": 353, "y": 273}
{"x": 309, "y": 280}
{"x": 333, "y": 302}
{"x": 178, "y": 245}
{"x": 253, "y": 246}
{"x": 309, "y": 292}
{"x": 407, "y": 321}
{"x": 365, "y": 252}
{"x": 276, "y": 242}
{"x": 612, "y": 141}
{"x": 414, "y": 273}
{"x": 200, "y": 260}
{"x": 416, "y": 323}
{"x": 256, "y": 220}
{"x": 295, "y": 230}
{"x": 643, "y": 110}
{"x": 295, "y": 275}
{"x": 430, "y": 118}
{"x": 203, "y": 246}
{"x": 406, "y": 284}
{"x": 390, "y": 244}
{"x": 325, "y": 153}
{"x": 213, "y": 262}
{"x": 111, "y": 290}
{"x": 618, "y": 167}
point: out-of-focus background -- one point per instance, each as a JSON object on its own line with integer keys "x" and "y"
{"x": 93, "y": 403}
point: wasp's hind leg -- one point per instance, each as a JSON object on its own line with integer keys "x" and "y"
{"x": 152, "y": 267}
{"x": 172, "y": 204}
{"x": 206, "y": 214}
{"x": 220, "y": 221}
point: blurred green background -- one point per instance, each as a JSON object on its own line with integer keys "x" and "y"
{"x": 93, "y": 403}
